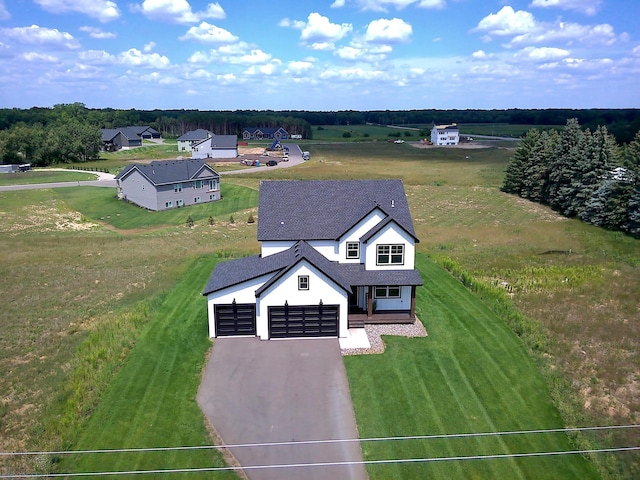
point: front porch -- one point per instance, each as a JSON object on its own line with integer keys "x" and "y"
{"x": 358, "y": 318}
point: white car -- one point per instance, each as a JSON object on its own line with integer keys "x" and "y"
{"x": 398, "y": 141}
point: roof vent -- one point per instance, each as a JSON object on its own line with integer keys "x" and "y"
{"x": 393, "y": 204}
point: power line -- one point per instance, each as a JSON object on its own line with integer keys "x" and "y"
{"x": 327, "y": 464}
{"x": 313, "y": 442}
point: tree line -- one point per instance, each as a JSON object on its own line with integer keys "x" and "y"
{"x": 622, "y": 123}
{"x": 580, "y": 173}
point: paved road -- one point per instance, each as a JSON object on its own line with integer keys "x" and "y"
{"x": 292, "y": 390}
{"x": 106, "y": 179}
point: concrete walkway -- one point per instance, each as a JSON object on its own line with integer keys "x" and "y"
{"x": 291, "y": 391}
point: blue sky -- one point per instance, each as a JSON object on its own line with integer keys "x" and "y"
{"x": 320, "y": 55}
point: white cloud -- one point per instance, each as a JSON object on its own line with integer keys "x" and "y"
{"x": 507, "y": 22}
{"x": 385, "y": 5}
{"x": 103, "y": 10}
{"x": 561, "y": 31}
{"x": 298, "y": 67}
{"x": 208, "y": 33}
{"x": 589, "y": 7}
{"x": 4, "y": 13}
{"x": 267, "y": 69}
{"x": 179, "y": 11}
{"x": 97, "y": 33}
{"x": 227, "y": 78}
{"x": 134, "y": 57}
{"x": 252, "y": 58}
{"x": 350, "y": 74}
{"x": 41, "y": 36}
{"x": 323, "y": 46}
{"x": 40, "y": 57}
{"x": 319, "y": 29}
{"x": 149, "y": 47}
{"x": 388, "y": 31}
{"x": 543, "y": 54}
{"x": 97, "y": 57}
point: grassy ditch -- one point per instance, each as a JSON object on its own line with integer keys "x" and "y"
{"x": 471, "y": 374}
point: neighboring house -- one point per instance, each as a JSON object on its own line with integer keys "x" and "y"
{"x": 260, "y": 133}
{"x": 445, "y": 134}
{"x": 336, "y": 254}
{"x": 186, "y": 141}
{"x": 218, "y": 146}
{"x": 126, "y": 137}
{"x": 161, "y": 185}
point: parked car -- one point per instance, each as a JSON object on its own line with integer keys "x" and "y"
{"x": 398, "y": 141}
{"x": 306, "y": 156}
{"x": 271, "y": 163}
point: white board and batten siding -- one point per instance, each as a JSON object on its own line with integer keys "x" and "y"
{"x": 390, "y": 235}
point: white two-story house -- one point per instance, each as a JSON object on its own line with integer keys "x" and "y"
{"x": 445, "y": 134}
{"x": 335, "y": 254}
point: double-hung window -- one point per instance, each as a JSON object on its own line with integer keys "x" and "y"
{"x": 177, "y": 187}
{"x": 390, "y": 255}
{"x": 353, "y": 250}
{"x": 303, "y": 282}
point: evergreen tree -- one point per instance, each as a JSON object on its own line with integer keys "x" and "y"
{"x": 563, "y": 168}
{"x": 515, "y": 172}
{"x": 536, "y": 171}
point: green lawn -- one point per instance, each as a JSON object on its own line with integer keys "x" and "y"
{"x": 32, "y": 177}
{"x": 101, "y": 204}
{"x": 151, "y": 400}
{"x": 471, "y": 374}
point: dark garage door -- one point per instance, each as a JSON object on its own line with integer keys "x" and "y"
{"x": 235, "y": 319}
{"x": 303, "y": 321}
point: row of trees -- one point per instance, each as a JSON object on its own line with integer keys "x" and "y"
{"x": 66, "y": 140}
{"x": 580, "y": 173}
{"x": 622, "y": 123}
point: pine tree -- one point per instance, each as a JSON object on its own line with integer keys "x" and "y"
{"x": 563, "y": 168}
{"x": 515, "y": 172}
{"x": 536, "y": 172}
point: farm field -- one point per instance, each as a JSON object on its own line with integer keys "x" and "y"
{"x": 85, "y": 267}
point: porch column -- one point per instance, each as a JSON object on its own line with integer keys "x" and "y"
{"x": 413, "y": 303}
{"x": 370, "y": 302}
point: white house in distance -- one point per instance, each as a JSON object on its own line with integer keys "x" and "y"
{"x": 335, "y": 254}
{"x": 186, "y": 141}
{"x": 445, "y": 134}
{"x": 216, "y": 146}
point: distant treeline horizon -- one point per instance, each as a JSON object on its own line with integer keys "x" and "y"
{"x": 621, "y": 123}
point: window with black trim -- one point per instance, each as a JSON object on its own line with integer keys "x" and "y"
{"x": 303, "y": 282}
{"x": 386, "y": 291}
{"x": 353, "y": 249}
{"x": 390, "y": 255}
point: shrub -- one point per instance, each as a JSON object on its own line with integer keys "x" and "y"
{"x": 189, "y": 222}
{"x": 251, "y": 219}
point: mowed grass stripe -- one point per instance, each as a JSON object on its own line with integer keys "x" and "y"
{"x": 151, "y": 400}
{"x": 471, "y": 374}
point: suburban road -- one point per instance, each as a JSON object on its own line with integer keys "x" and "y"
{"x": 107, "y": 179}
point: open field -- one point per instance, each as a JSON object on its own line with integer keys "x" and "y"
{"x": 75, "y": 266}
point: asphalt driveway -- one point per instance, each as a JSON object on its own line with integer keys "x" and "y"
{"x": 291, "y": 391}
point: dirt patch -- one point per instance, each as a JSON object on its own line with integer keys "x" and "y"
{"x": 41, "y": 218}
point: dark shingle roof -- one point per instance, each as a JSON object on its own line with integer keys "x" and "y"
{"x": 357, "y": 275}
{"x": 222, "y": 141}
{"x": 237, "y": 271}
{"x": 326, "y": 209}
{"x": 199, "y": 134}
{"x": 170, "y": 171}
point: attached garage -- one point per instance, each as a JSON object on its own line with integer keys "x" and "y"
{"x": 235, "y": 319}
{"x": 290, "y": 321}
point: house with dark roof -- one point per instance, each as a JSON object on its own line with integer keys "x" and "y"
{"x": 264, "y": 133}
{"x": 186, "y": 141}
{"x": 216, "y": 146}
{"x": 335, "y": 255}
{"x": 161, "y": 185}
{"x": 126, "y": 137}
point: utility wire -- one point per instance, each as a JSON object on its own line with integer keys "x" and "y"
{"x": 314, "y": 442}
{"x": 326, "y": 464}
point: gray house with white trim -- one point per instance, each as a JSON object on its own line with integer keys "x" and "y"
{"x": 161, "y": 185}
{"x": 186, "y": 141}
{"x": 336, "y": 254}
